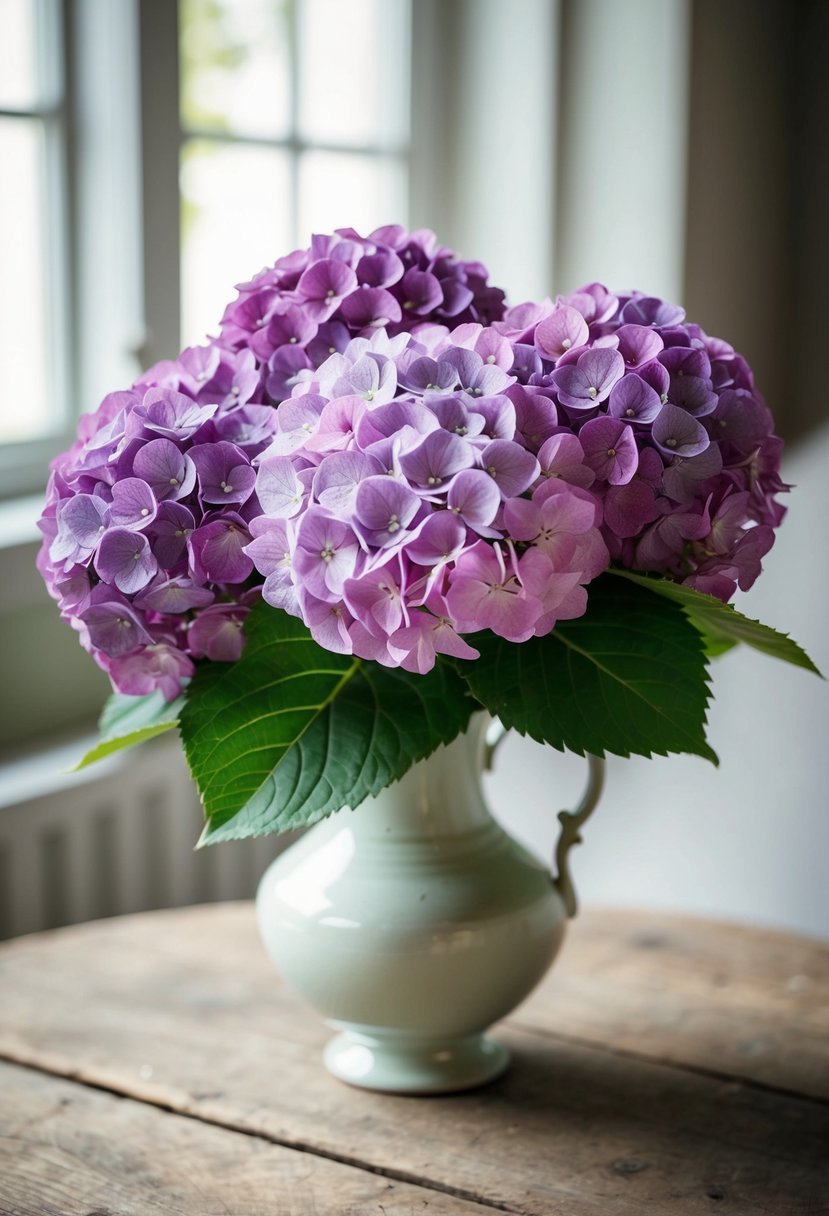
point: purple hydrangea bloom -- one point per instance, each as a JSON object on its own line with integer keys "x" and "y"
{"x": 435, "y": 460}
{"x": 696, "y": 434}
{"x": 216, "y": 550}
{"x": 81, "y": 523}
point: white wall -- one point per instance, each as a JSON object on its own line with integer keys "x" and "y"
{"x": 750, "y": 840}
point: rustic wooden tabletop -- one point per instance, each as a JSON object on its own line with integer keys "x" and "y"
{"x": 154, "y": 1064}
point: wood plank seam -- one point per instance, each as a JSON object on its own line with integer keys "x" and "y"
{"x": 403, "y": 1176}
{"x": 66, "y": 1150}
{"x": 406, "y": 1177}
{"x": 529, "y": 1027}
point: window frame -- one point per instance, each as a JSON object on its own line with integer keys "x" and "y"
{"x": 163, "y": 142}
{"x": 94, "y": 233}
{"x": 23, "y": 461}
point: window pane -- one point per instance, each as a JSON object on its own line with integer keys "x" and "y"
{"x": 235, "y": 219}
{"x": 25, "y": 408}
{"x": 235, "y": 73}
{"x": 343, "y": 190}
{"x": 18, "y": 54}
{"x": 354, "y": 71}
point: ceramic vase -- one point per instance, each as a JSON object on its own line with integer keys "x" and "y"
{"x": 415, "y": 922}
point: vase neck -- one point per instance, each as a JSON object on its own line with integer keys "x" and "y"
{"x": 438, "y": 796}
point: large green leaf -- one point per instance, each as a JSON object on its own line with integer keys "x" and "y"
{"x": 629, "y": 677}
{"x": 722, "y": 623}
{"x": 126, "y": 721}
{"x": 292, "y": 732}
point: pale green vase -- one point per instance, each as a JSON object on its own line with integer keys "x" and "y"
{"x": 415, "y": 922}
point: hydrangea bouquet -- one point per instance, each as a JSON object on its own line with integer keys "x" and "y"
{"x": 381, "y": 499}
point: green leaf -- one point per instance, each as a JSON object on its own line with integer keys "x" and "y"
{"x": 714, "y": 643}
{"x": 723, "y": 622}
{"x": 127, "y": 721}
{"x": 628, "y": 677}
{"x": 292, "y": 732}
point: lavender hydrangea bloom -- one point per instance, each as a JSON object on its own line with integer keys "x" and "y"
{"x": 373, "y": 443}
{"x": 151, "y": 506}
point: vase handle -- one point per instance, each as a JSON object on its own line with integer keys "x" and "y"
{"x": 571, "y": 821}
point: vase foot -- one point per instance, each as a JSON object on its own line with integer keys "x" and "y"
{"x": 409, "y": 1064}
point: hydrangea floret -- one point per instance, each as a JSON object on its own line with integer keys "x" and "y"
{"x": 378, "y": 484}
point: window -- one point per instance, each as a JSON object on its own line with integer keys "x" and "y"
{"x": 293, "y": 116}
{"x": 251, "y": 123}
{"x": 35, "y": 387}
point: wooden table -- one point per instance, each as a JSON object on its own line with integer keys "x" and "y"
{"x": 154, "y": 1064}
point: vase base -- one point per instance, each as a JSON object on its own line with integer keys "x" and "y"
{"x": 408, "y": 1064}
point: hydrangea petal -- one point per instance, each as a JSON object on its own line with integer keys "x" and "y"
{"x": 610, "y": 450}
{"x": 224, "y": 472}
{"x": 216, "y": 633}
{"x": 676, "y": 433}
{"x": 475, "y": 498}
{"x": 174, "y": 595}
{"x": 278, "y": 488}
{"x": 82, "y": 521}
{"x": 217, "y": 551}
{"x": 159, "y": 666}
{"x": 125, "y": 560}
{"x": 436, "y": 459}
{"x": 587, "y": 383}
{"x": 338, "y": 476}
{"x": 634, "y": 400}
{"x": 564, "y": 329}
{"x": 133, "y": 504}
{"x": 511, "y": 467}
{"x": 169, "y": 532}
{"x": 114, "y": 628}
{"x": 169, "y": 471}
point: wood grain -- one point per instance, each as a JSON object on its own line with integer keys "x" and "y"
{"x": 622, "y": 1093}
{"x": 71, "y": 1150}
{"x": 735, "y": 1001}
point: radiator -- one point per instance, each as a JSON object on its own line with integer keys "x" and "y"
{"x": 116, "y": 838}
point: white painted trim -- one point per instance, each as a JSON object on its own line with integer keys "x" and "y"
{"x": 484, "y": 87}
{"x": 623, "y": 145}
{"x": 107, "y": 155}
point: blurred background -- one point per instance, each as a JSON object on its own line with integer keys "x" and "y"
{"x": 154, "y": 153}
